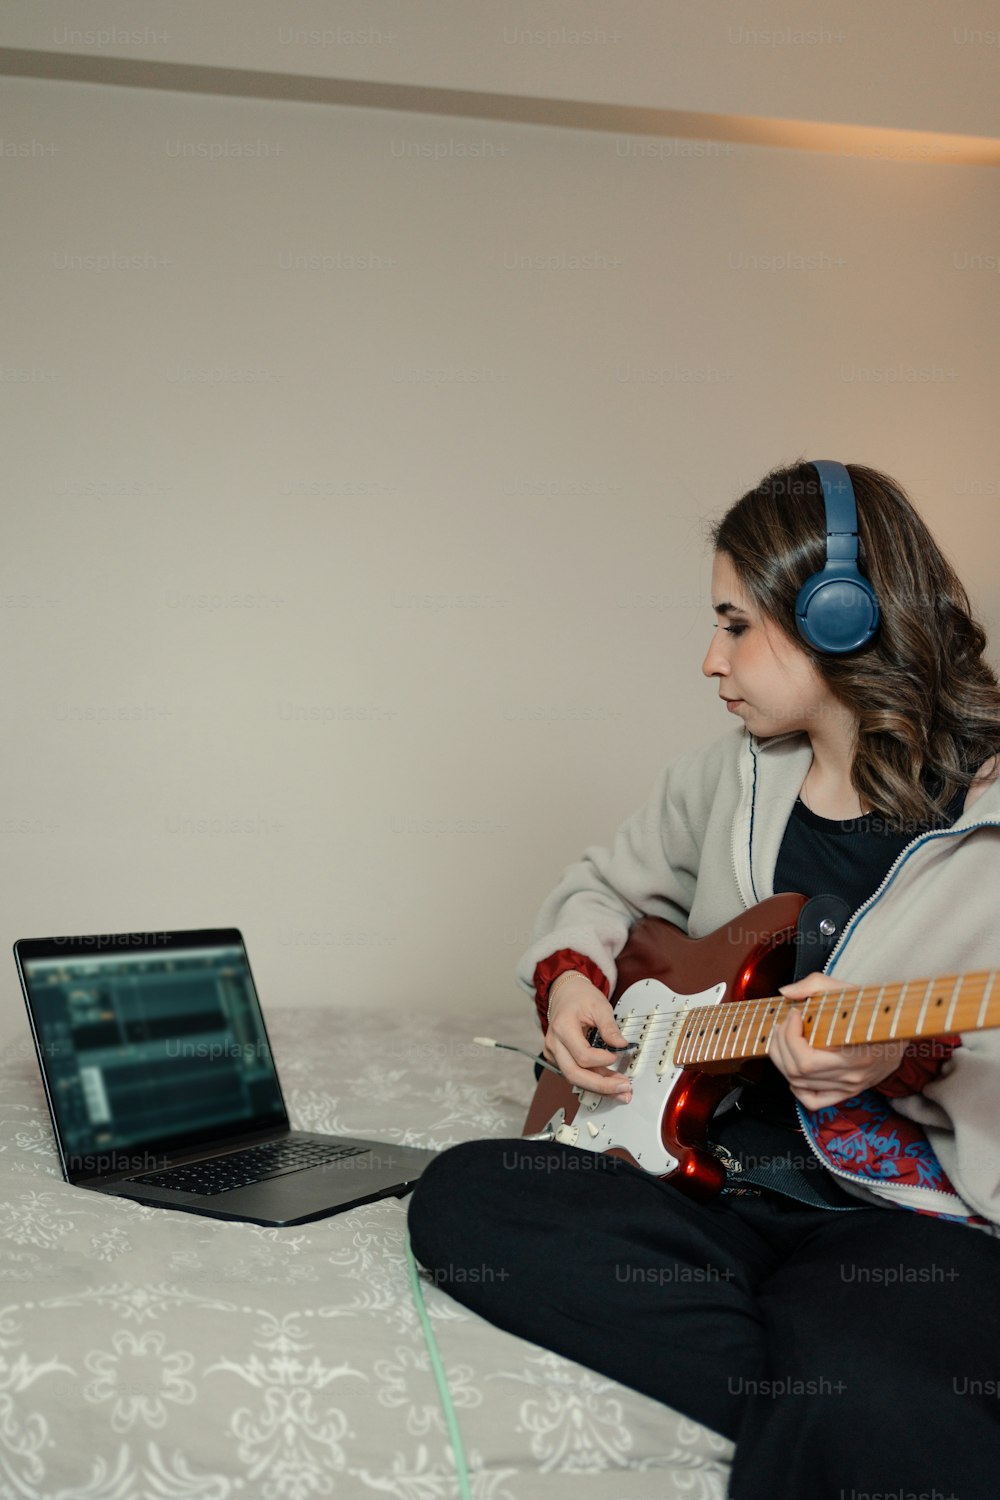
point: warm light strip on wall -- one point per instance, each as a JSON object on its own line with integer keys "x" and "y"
{"x": 860, "y": 141}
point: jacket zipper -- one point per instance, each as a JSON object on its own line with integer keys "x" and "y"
{"x": 903, "y": 854}
{"x": 902, "y": 1187}
{"x": 736, "y": 873}
{"x": 878, "y": 1183}
{"x": 890, "y": 874}
{"x": 743, "y": 792}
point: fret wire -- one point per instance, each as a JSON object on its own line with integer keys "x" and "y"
{"x": 875, "y": 1010}
{"x": 756, "y": 1037}
{"x": 954, "y": 1002}
{"x": 705, "y": 1040}
{"x": 724, "y": 1011}
{"x": 717, "y": 1042}
{"x": 960, "y": 1005}
{"x": 759, "y": 1047}
{"x": 717, "y": 1034}
{"x": 724, "y": 1042}
{"x": 784, "y": 1010}
{"x": 694, "y": 1044}
{"x": 705, "y": 1016}
{"x": 710, "y": 1041}
{"x": 685, "y": 1043}
{"x": 899, "y": 1007}
{"x": 679, "y": 1044}
{"x": 694, "y": 1051}
{"x": 785, "y": 1007}
{"x": 923, "y": 1009}
{"x": 817, "y": 1001}
{"x": 854, "y": 1016}
{"x": 746, "y": 1021}
{"x": 986, "y": 998}
{"x": 690, "y": 1042}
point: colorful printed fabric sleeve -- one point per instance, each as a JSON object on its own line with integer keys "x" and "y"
{"x": 547, "y": 971}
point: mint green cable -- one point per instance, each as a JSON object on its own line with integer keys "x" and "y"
{"x": 439, "y": 1376}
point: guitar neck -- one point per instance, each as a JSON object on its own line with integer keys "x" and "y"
{"x": 843, "y": 1018}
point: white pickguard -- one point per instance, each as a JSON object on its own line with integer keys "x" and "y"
{"x": 651, "y": 1014}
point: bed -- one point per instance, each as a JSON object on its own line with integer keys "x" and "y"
{"x": 148, "y": 1354}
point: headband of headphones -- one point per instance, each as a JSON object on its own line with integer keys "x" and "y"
{"x": 836, "y": 609}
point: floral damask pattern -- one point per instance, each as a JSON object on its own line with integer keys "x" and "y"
{"x": 147, "y": 1354}
{"x": 134, "y": 1362}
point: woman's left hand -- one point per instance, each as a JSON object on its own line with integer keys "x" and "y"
{"x": 819, "y": 1078}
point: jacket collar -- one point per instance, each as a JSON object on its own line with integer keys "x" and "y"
{"x": 777, "y": 768}
{"x": 780, "y": 748}
{"x": 773, "y": 769}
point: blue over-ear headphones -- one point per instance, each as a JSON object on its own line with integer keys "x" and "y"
{"x": 836, "y": 609}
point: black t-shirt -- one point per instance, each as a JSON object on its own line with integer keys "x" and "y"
{"x": 849, "y": 858}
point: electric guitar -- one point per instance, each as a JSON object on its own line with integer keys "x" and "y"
{"x": 696, "y": 1041}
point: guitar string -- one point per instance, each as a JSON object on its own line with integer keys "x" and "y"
{"x": 883, "y": 994}
{"x": 657, "y": 1023}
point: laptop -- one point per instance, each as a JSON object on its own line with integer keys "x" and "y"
{"x": 162, "y": 1088}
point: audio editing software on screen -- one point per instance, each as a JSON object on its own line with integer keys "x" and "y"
{"x": 146, "y": 1046}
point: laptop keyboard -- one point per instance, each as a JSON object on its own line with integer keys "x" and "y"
{"x": 241, "y": 1168}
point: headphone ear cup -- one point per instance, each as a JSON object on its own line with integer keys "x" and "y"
{"x": 836, "y": 610}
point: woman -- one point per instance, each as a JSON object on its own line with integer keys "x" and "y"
{"x": 839, "y": 1324}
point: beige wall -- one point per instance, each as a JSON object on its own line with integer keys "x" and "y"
{"x": 352, "y": 567}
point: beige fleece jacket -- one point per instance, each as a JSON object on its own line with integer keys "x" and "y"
{"x": 703, "y": 848}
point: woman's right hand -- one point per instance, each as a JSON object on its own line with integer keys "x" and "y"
{"x": 575, "y": 1006}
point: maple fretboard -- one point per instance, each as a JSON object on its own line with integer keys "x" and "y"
{"x": 845, "y": 1017}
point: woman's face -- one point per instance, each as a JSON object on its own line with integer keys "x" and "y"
{"x": 774, "y": 684}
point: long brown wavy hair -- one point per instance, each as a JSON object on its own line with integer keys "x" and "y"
{"x": 927, "y": 704}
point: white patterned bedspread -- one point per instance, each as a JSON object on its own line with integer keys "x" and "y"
{"x": 147, "y": 1354}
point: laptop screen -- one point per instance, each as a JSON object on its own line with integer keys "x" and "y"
{"x": 147, "y": 1046}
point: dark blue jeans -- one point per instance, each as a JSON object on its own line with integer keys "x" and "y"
{"x": 838, "y": 1351}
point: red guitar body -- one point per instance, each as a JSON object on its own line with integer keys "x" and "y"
{"x": 751, "y": 955}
